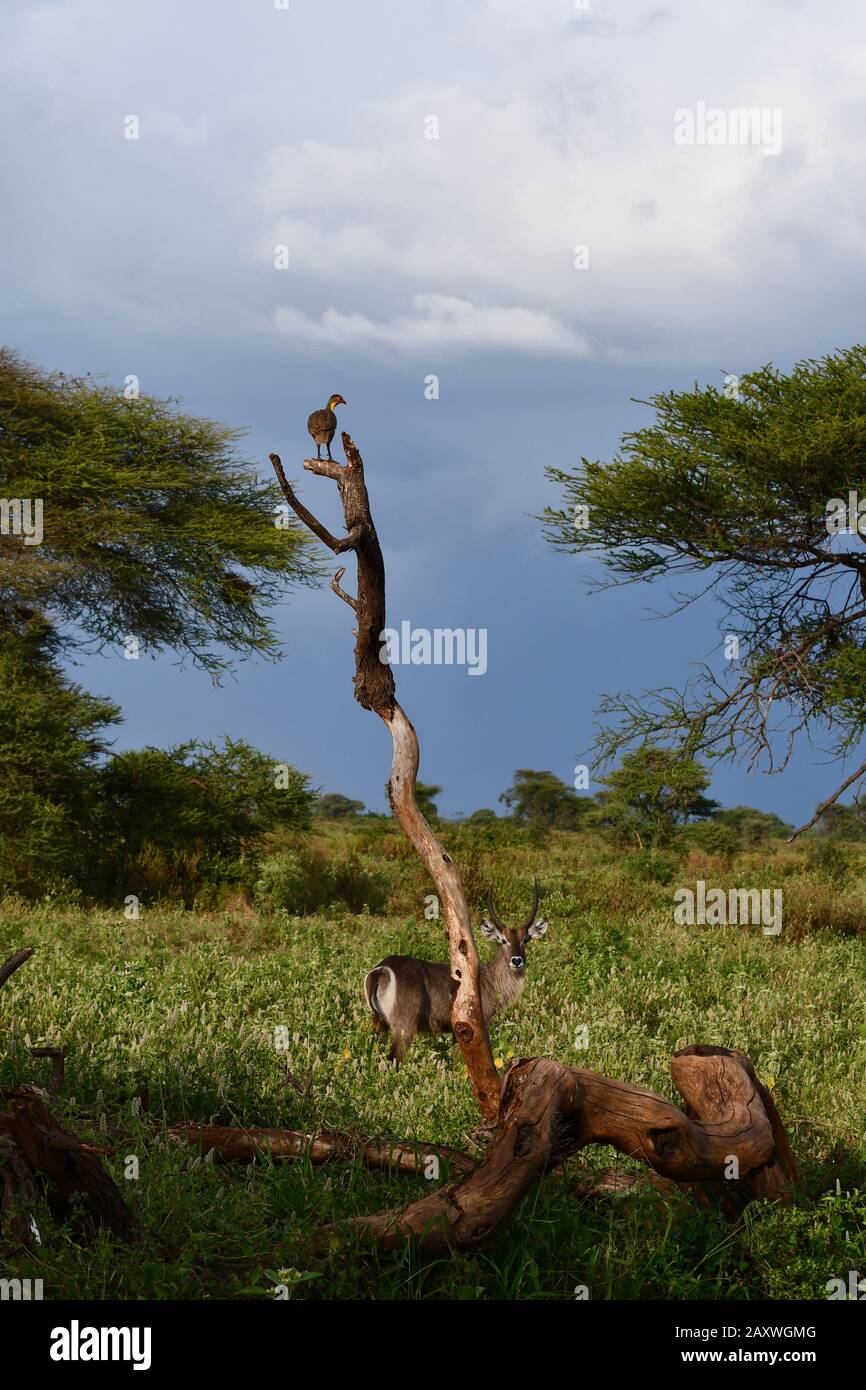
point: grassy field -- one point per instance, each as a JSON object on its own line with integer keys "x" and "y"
{"x": 189, "y": 1002}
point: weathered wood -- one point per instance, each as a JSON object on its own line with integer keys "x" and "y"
{"x": 58, "y": 1066}
{"x": 464, "y": 1215}
{"x": 66, "y": 1166}
{"x": 238, "y": 1145}
{"x": 773, "y": 1180}
{"x": 549, "y": 1111}
{"x": 21, "y": 1197}
{"x": 375, "y": 690}
{"x": 38, "y": 1155}
{"x": 12, "y": 964}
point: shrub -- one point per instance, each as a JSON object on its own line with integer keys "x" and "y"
{"x": 712, "y": 838}
{"x": 827, "y": 860}
{"x": 653, "y": 865}
{"x": 280, "y": 883}
{"x": 821, "y": 907}
{"x": 304, "y": 881}
{"x": 182, "y": 820}
{"x": 52, "y": 734}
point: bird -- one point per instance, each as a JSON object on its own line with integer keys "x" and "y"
{"x": 322, "y": 425}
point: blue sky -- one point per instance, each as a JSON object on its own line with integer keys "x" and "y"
{"x": 305, "y": 126}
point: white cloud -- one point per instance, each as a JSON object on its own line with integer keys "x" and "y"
{"x": 306, "y": 127}
{"x": 438, "y": 321}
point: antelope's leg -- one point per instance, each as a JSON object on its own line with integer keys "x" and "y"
{"x": 399, "y": 1046}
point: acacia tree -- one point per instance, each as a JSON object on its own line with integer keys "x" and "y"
{"x": 651, "y": 794}
{"x": 739, "y": 489}
{"x": 752, "y": 827}
{"x": 425, "y": 795}
{"x": 52, "y": 737}
{"x": 152, "y": 525}
{"x": 543, "y": 800}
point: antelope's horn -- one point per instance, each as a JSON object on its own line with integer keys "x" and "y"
{"x": 492, "y": 910}
{"x": 536, "y": 899}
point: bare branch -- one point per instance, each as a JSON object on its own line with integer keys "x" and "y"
{"x": 234, "y": 1145}
{"x": 325, "y": 468}
{"x": 861, "y": 771}
{"x": 350, "y": 541}
{"x": 58, "y": 1066}
{"x": 12, "y": 964}
{"x": 335, "y": 585}
{"x": 375, "y": 690}
{"x": 301, "y": 511}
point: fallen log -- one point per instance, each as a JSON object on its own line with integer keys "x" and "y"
{"x": 727, "y": 1137}
{"x": 237, "y": 1145}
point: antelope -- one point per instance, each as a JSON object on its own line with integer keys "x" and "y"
{"x": 408, "y": 996}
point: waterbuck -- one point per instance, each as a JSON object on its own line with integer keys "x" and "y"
{"x": 409, "y": 996}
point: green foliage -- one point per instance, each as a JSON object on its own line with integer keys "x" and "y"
{"x": 543, "y": 800}
{"x": 734, "y": 490}
{"x": 425, "y": 799}
{"x": 304, "y": 881}
{"x": 51, "y": 738}
{"x": 334, "y": 806}
{"x": 653, "y": 865}
{"x": 751, "y": 827}
{"x": 153, "y": 822}
{"x": 711, "y": 837}
{"x": 190, "y": 1003}
{"x": 829, "y": 860}
{"x": 842, "y": 823}
{"x": 154, "y": 528}
{"x": 654, "y": 791}
{"x": 186, "y": 816}
{"x": 499, "y": 832}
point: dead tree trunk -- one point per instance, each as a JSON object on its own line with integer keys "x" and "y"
{"x": 375, "y": 690}
{"x": 727, "y": 1137}
{"x": 727, "y": 1144}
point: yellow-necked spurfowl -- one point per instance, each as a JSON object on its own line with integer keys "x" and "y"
{"x": 322, "y": 425}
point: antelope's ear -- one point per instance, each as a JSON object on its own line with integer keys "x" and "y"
{"x": 538, "y": 928}
{"x": 492, "y": 933}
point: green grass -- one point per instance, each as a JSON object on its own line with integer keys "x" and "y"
{"x": 190, "y": 1003}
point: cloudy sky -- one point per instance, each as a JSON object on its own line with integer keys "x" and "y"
{"x": 307, "y": 126}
